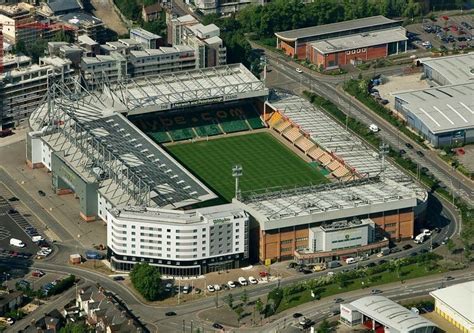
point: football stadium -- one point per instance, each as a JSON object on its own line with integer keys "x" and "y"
{"x": 155, "y": 158}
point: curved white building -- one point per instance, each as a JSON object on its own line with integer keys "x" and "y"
{"x": 181, "y": 243}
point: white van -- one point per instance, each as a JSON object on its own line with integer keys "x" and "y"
{"x": 350, "y": 261}
{"x": 16, "y": 242}
{"x": 37, "y": 239}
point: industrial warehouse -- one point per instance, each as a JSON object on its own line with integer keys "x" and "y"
{"x": 443, "y": 114}
{"x": 121, "y": 168}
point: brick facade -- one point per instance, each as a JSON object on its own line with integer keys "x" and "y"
{"x": 337, "y": 59}
{"x": 280, "y": 244}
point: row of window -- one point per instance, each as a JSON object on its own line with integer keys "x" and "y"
{"x": 356, "y": 51}
{"x": 346, "y": 239}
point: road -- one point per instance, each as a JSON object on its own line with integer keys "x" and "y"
{"x": 328, "y": 86}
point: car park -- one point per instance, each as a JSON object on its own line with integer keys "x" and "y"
{"x": 252, "y": 280}
{"x": 231, "y": 284}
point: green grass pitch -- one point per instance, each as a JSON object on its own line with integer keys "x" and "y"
{"x": 266, "y": 163}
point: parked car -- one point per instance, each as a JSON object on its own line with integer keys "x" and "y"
{"x": 218, "y": 326}
{"x": 299, "y": 70}
{"x": 210, "y": 288}
{"x": 13, "y": 199}
{"x": 118, "y": 278}
{"x": 231, "y": 284}
{"x": 338, "y": 300}
{"x": 242, "y": 281}
{"x": 41, "y": 193}
{"x": 376, "y": 291}
{"x": 395, "y": 250}
{"x": 170, "y": 313}
{"x": 297, "y": 315}
{"x": 420, "y": 153}
{"x": 217, "y": 287}
{"x": 374, "y": 128}
{"x": 402, "y": 152}
{"x": 187, "y": 289}
{"x": 407, "y": 247}
{"x": 252, "y": 280}
{"x": 409, "y": 145}
{"x": 38, "y": 273}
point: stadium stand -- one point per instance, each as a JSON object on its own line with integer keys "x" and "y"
{"x": 335, "y": 164}
{"x": 188, "y": 124}
{"x": 341, "y": 172}
{"x": 282, "y": 125}
{"x": 292, "y": 134}
{"x": 316, "y": 153}
{"x": 274, "y": 119}
{"x": 325, "y": 159}
{"x": 304, "y": 144}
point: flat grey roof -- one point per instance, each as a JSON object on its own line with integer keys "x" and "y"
{"x": 456, "y": 69}
{"x": 441, "y": 109}
{"x": 292, "y": 35}
{"x": 391, "y": 314}
{"x": 460, "y": 298}
{"x": 355, "y": 41}
{"x": 144, "y": 33}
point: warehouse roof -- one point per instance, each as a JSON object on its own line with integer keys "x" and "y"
{"x": 390, "y": 314}
{"x": 456, "y": 69}
{"x": 373, "y": 21}
{"x": 441, "y": 109}
{"x": 355, "y": 41}
{"x": 459, "y": 297}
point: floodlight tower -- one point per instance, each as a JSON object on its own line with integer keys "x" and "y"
{"x": 237, "y": 173}
{"x": 384, "y": 149}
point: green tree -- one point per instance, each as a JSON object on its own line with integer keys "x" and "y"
{"x": 239, "y": 310}
{"x": 147, "y": 280}
{"x": 324, "y": 327}
{"x": 76, "y": 328}
{"x": 450, "y": 245}
{"x": 229, "y": 299}
{"x": 244, "y": 298}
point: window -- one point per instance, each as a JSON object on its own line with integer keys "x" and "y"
{"x": 353, "y": 51}
{"x": 388, "y": 225}
{"x": 358, "y": 50}
{"x": 288, "y": 241}
{"x": 348, "y": 52}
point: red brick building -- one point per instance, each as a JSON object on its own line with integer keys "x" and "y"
{"x": 353, "y": 49}
{"x": 296, "y": 41}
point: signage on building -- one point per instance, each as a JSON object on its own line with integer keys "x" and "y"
{"x": 221, "y": 220}
{"x": 195, "y": 102}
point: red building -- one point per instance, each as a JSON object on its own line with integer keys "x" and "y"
{"x": 294, "y": 42}
{"x": 357, "y": 48}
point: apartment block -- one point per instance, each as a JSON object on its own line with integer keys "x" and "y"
{"x": 147, "y": 39}
{"x": 163, "y": 60}
{"x": 204, "y": 39}
{"x": 12, "y": 17}
{"x": 103, "y": 68}
{"x": 23, "y": 89}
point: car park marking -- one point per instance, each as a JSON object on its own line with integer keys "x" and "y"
{"x": 4, "y": 233}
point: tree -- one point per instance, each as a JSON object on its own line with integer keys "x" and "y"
{"x": 259, "y": 308}
{"x": 324, "y": 327}
{"x": 229, "y": 299}
{"x": 450, "y": 245}
{"x": 244, "y": 298}
{"x": 147, "y": 280}
{"x": 239, "y": 311}
{"x": 76, "y": 328}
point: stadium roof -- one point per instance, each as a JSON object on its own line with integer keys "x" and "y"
{"x": 391, "y": 314}
{"x": 459, "y": 297}
{"x": 277, "y": 209}
{"x": 185, "y": 89}
{"x": 104, "y": 147}
{"x": 355, "y": 41}
{"x": 373, "y": 21}
{"x": 441, "y": 109}
{"x": 456, "y": 69}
